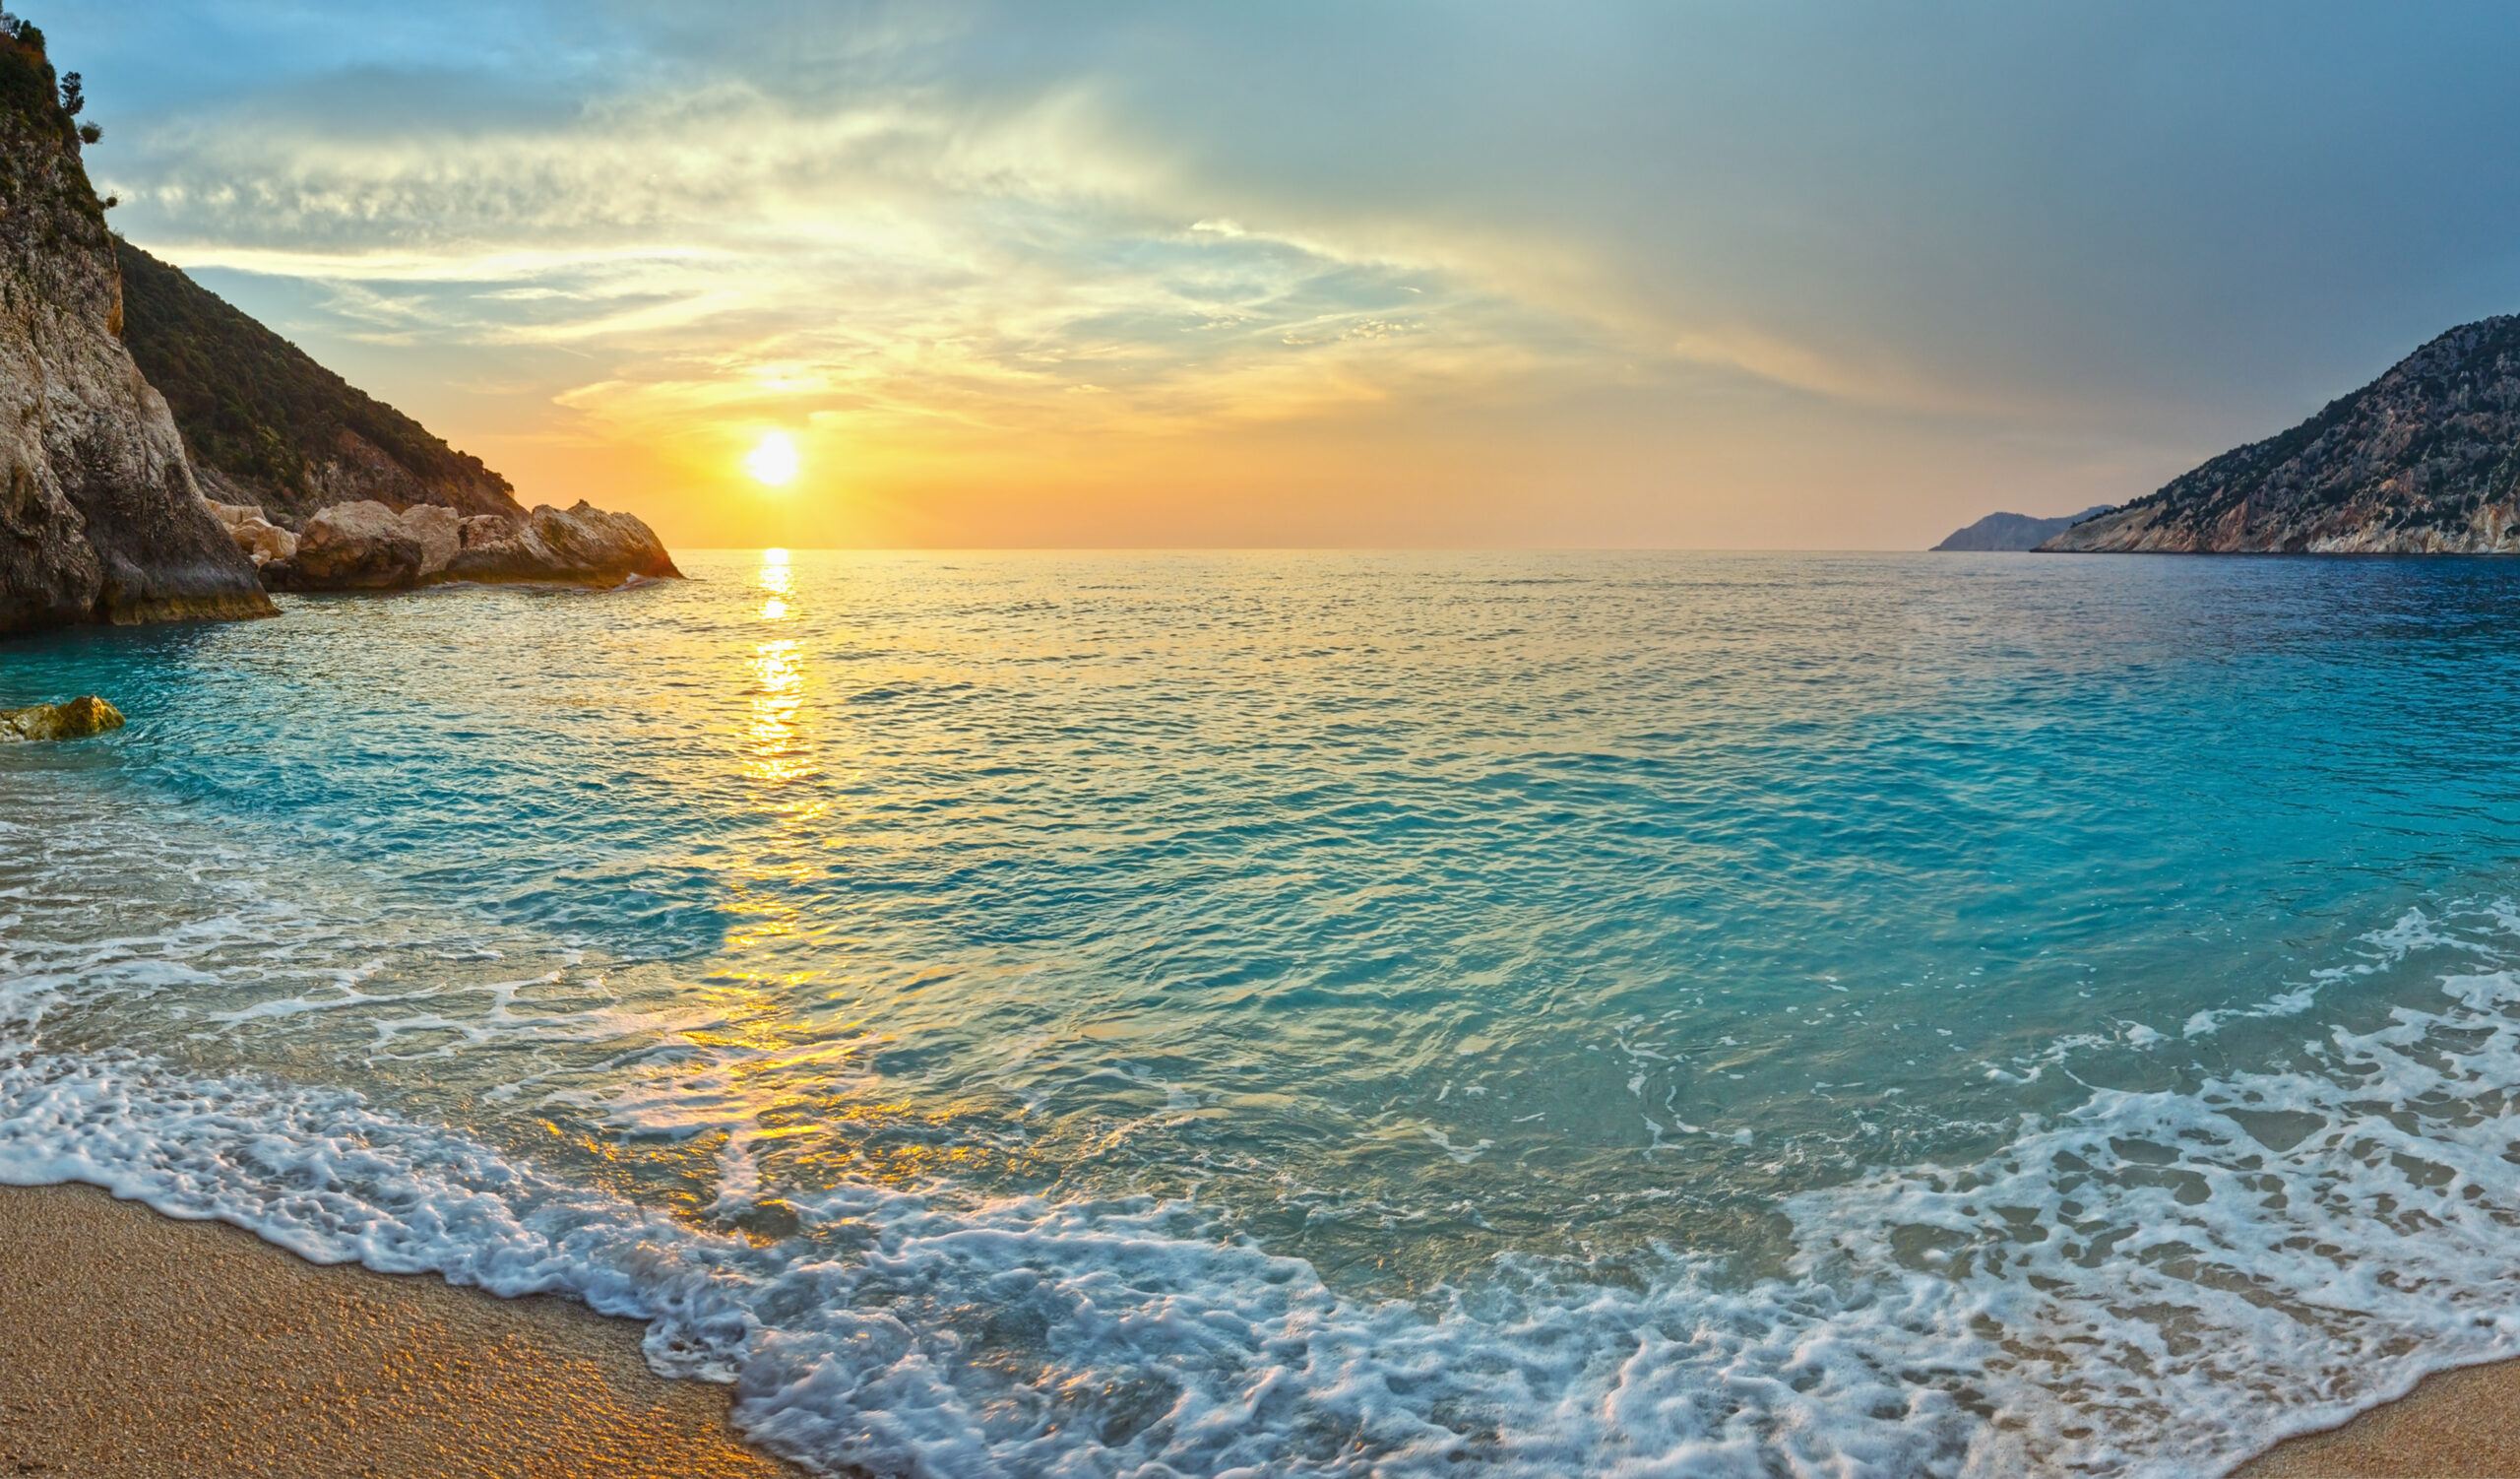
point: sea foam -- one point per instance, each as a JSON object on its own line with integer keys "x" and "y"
{"x": 2155, "y": 1283}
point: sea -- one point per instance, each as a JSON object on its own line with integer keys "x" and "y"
{"x": 1152, "y": 1015}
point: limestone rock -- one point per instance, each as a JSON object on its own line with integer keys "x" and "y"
{"x": 75, "y": 720}
{"x": 578, "y": 545}
{"x": 101, "y": 517}
{"x": 368, "y": 547}
{"x": 350, "y": 546}
{"x": 440, "y": 531}
{"x": 262, "y": 540}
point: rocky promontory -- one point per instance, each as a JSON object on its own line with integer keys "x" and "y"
{"x": 2424, "y": 460}
{"x": 369, "y": 545}
{"x": 256, "y": 468}
{"x": 100, "y": 516}
{"x": 2013, "y": 532}
{"x": 269, "y": 428}
{"x": 327, "y": 489}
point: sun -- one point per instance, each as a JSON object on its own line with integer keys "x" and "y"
{"x": 773, "y": 460}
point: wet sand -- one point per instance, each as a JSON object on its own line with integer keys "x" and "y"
{"x": 135, "y": 1345}
{"x": 2457, "y": 1425}
{"x": 132, "y": 1344}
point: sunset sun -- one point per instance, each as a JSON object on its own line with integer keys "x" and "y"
{"x": 773, "y": 460}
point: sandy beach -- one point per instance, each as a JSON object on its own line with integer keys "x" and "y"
{"x": 138, "y": 1345}
{"x": 2457, "y": 1425}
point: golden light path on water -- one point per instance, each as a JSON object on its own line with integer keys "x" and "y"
{"x": 773, "y": 1077}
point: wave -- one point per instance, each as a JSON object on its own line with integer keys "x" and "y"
{"x": 2153, "y": 1283}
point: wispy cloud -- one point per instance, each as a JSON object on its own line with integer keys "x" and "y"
{"x": 894, "y": 262}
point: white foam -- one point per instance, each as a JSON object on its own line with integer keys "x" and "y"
{"x": 2155, "y": 1283}
{"x": 2150, "y": 1284}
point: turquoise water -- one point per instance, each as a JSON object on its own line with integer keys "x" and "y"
{"x": 1534, "y": 1013}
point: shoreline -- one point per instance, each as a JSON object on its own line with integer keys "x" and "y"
{"x": 144, "y": 1346}
{"x": 2457, "y": 1424}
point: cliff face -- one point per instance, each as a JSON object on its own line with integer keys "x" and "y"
{"x": 100, "y": 515}
{"x": 267, "y": 425}
{"x": 2424, "y": 460}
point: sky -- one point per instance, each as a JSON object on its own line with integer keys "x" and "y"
{"x": 1672, "y": 274}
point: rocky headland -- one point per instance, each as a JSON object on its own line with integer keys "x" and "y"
{"x": 100, "y": 516}
{"x": 2015, "y": 532}
{"x": 2424, "y": 460}
{"x": 165, "y": 456}
{"x": 267, "y": 427}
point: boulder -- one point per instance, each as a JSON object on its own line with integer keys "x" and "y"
{"x": 578, "y": 545}
{"x": 262, "y": 540}
{"x": 440, "y": 531}
{"x": 75, "y": 720}
{"x": 264, "y": 543}
{"x": 368, "y": 547}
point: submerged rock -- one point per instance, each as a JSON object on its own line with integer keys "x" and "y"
{"x": 75, "y": 720}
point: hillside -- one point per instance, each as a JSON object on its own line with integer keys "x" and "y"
{"x": 267, "y": 425}
{"x": 2422, "y": 461}
{"x": 2014, "y": 532}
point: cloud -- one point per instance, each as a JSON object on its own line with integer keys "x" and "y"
{"x": 894, "y": 259}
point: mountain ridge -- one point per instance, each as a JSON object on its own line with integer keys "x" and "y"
{"x": 2424, "y": 459}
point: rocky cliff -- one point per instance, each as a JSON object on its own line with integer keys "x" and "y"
{"x": 2424, "y": 460}
{"x": 270, "y": 427}
{"x": 101, "y": 518}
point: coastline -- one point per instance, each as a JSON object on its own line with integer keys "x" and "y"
{"x": 2462, "y": 1424}
{"x": 142, "y": 1345}
{"x": 145, "y": 1345}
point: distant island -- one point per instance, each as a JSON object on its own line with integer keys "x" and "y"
{"x": 2016, "y": 532}
{"x": 2424, "y": 460}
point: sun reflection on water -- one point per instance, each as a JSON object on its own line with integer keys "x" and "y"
{"x": 780, "y": 757}
{"x": 777, "y": 582}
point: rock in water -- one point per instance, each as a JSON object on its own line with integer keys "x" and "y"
{"x": 366, "y": 546}
{"x": 75, "y": 720}
{"x": 101, "y": 518}
{"x": 577, "y": 546}
{"x": 2424, "y": 460}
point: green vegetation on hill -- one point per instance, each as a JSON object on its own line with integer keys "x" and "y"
{"x": 26, "y": 85}
{"x": 2424, "y": 460}
{"x": 267, "y": 420}
{"x": 39, "y": 125}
